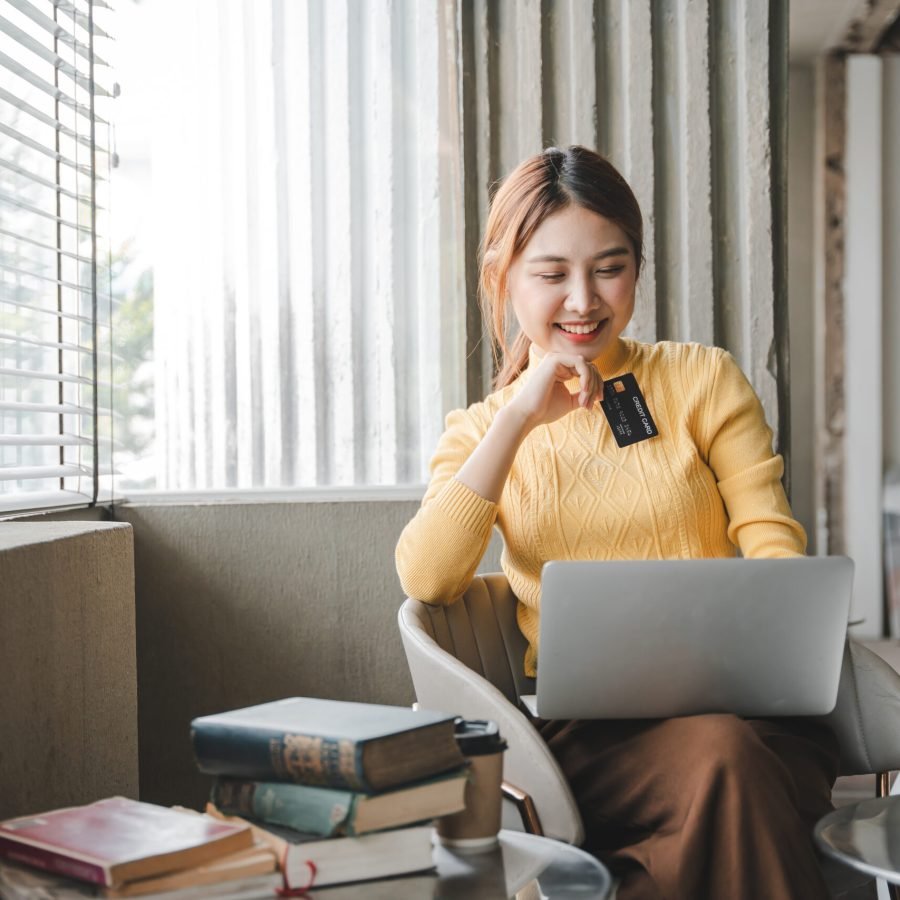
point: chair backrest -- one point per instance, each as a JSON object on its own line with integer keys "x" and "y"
{"x": 866, "y": 718}
{"x": 466, "y": 658}
{"x": 481, "y": 631}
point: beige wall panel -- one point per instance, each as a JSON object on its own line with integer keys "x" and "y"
{"x": 242, "y": 603}
{"x": 519, "y": 85}
{"x": 683, "y": 185}
{"x": 628, "y": 128}
{"x": 570, "y": 99}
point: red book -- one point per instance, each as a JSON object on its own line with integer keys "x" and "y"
{"x": 117, "y": 840}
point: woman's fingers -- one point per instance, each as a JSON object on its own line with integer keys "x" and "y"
{"x": 590, "y": 382}
{"x": 547, "y": 398}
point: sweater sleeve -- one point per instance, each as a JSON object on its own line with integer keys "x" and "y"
{"x": 748, "y": 473}
{"x": 441, "y": 547}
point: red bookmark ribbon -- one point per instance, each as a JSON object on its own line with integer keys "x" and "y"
{"x": 287, "y": 890}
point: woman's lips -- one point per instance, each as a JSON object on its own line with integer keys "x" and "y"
{"x": 577, "y": 338}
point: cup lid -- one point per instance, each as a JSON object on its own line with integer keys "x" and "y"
{"x": 478, "y": 737}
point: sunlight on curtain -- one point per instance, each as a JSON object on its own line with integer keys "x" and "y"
{"x": 299, "y": 230}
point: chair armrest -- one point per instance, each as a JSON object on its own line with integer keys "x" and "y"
{"x": 866, "y": 718}
{"x": 443, "y": 683}
{"x": 525, "y": 805}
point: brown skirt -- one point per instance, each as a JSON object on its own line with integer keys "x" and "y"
{"x": 698, "y": 807}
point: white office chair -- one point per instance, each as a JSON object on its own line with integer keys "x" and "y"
{"x": 466, "y": 658}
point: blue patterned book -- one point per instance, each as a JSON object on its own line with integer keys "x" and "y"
{"x": 331, "y": 811}
{"x": 330, "y": 743}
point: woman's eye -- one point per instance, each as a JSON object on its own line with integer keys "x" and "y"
{"x": 610, "y": 270}
{"x": 550, "y": 276}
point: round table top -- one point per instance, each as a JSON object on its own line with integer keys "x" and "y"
{"x": 521, "y": 866}
{"x": 864, "y": 835}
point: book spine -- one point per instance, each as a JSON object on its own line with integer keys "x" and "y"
{"x": 312, "y": 810}
{"x": 51, "y": 861}
{"x": 265, "y": 755}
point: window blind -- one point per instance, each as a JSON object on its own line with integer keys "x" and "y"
{"x": 55, "y": 417}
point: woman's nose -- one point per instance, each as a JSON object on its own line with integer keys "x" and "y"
{"x": 581, "y": 298}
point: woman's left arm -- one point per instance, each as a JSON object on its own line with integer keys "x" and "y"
{"x": 748, "y": 472}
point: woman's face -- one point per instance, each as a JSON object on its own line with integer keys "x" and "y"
{"x": 572, "y": 286}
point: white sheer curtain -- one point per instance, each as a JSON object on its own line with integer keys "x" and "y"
{"x": 308, "y": 300}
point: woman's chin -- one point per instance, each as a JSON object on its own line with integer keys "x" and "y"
{"x": 588, "y": 346}
{"x": 585, "y": 349}
{"x": 560, "y": 342}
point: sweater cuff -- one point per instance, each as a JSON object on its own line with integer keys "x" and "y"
{"x": 464, "y": 506}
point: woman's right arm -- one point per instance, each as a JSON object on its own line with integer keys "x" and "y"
{"x": 440, "y": 549}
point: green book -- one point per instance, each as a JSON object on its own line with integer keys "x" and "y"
{"x": 328, "y": 743}
{"x": 330, "y": 811}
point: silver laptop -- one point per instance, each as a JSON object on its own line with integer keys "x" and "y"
{"x": 661, "y": 638}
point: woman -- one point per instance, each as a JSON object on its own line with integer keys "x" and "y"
{"x": 697, "y": 807}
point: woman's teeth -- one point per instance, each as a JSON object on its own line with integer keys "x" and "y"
{"x": 580, "y": 329}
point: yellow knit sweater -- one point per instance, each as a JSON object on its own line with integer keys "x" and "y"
{"x": 707, "y": 484}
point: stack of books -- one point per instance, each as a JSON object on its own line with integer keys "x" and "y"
{"x": 340, "y": 791}
{"x": 124, "y": 848}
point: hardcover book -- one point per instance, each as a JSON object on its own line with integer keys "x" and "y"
{"x": 357, "y": 746}
{"x": 118, "y": 840}
{"x": 23, "y": 883}
{"x": 331, "y": 811}
{"x": 310, "y": 861}
{"x": 222, "y": 873}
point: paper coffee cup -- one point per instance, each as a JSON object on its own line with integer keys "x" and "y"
{"x": 476, "y": 827}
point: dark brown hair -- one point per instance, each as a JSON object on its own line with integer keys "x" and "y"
{"x": 535, "y": 189}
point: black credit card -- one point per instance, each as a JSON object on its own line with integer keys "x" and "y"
{"x": 626, "y": 411}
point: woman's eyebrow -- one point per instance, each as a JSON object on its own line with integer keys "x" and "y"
{"x": 603, "y": 254}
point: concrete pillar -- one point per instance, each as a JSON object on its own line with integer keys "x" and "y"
{"x": 862, "y": 335}
{"x": 68, "y": 669}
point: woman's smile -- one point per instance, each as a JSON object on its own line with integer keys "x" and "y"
{"x": 581, "y": 332}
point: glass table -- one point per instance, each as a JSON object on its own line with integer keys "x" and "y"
{"x": 521, "y": 866}
{"x": 865, "y": 836}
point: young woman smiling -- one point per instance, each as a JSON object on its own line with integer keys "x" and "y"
{"x": 699, "y": 807}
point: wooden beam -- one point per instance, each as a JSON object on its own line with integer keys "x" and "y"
{"x": 871, "y": 22}
{"x": 890, "y": 41}
{"x": 830, "y": 365}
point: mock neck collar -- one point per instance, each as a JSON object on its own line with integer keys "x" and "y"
{"x": 609, "y": 362}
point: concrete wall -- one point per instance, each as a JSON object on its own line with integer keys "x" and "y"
{"x": 242, "y": 603}
{"x": 68, "y": 693}
{"x": 687, "y": 100}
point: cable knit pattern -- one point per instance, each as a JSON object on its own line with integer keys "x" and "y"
{"x": 706, "y": 486}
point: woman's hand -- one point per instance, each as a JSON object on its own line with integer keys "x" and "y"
{"x": 545, "y": 398}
